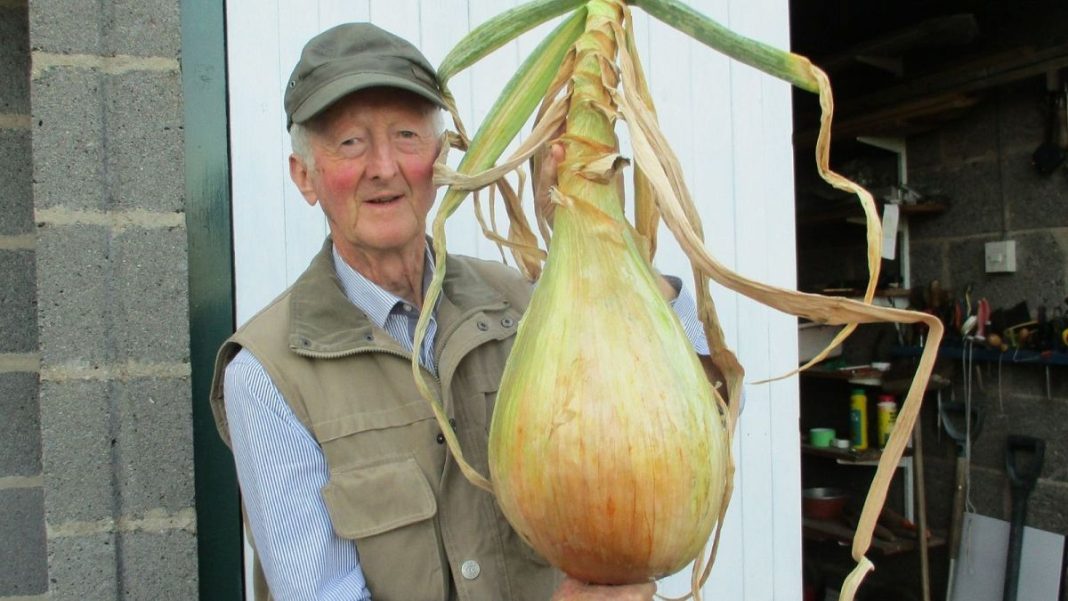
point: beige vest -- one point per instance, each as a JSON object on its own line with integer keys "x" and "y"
{"x": 423, "y": 532}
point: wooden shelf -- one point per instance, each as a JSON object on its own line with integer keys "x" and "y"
{"x": 847, "y": 455}
{"x": 868, "y": 376}
{"x": 854, "y": 211}
{"x": 848, "y": 374}
{"x": 1015, "y": 356}
{"x": 835, "y": 530}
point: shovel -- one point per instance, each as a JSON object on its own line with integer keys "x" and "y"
{"x": 1022, "y": 477}
{"x": 960, "y": 422}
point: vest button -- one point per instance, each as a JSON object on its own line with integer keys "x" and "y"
{"x": 507, "y": 322}
{"x": 441, "y": 438}
{"x": 470, "y": 569}
{"x": 483, "y": 326}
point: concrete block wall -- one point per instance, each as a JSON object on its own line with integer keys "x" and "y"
{"x": 23, "y": 553}
{"x": 105, "y": 257}
{"x": 982, "y": 162}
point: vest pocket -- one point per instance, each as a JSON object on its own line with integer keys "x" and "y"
{"x": 387, "y": 509}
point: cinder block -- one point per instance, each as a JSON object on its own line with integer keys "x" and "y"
{"x": 18, "y": 302}
{"x": 1021, "y": 124}
{"x": 151, "y": 28}
{"x": 144, "y": 141}
{"x": 924, "y": 152}
{"x": 20, "y": 429}
{"x": 989, "y": 493}
{"x": 1039, "y": 277}
{"x": 972, "y": 136}
{"x": 1029, "y": 381}
{"x": 76, "y": 292}
{"x": 1028, "y": 416}
{"x": 78, "y": 448}
{"x": 1034, "y": 200}
{"x": 974, "y": 196}
{"x": 71, "y": 27}
{"x": 113, "y": 300}
{"x": 83, "y": 567}
{"x": 926, "y": 263}
{"x": 150, "y": 295}
{"x": 68, "y": 137}
{"x": 16, "y": 185}
{"x": 155, "y": 449}
{"x": 23, "y": 566}
{"x": 159, "y": 566}
{"x": 108, "y": 142}
{"x": 1047, "y": 509}
{"x": 14, "y": 61}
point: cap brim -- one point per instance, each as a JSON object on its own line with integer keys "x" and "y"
{"x": 337, "y": 89}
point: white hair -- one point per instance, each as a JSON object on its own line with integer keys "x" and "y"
{"x": 300, "y": 134}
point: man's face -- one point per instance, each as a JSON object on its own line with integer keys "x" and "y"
{"x": 374, "y": 154}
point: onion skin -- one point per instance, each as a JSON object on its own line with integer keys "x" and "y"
{"x": 607, "y": 449}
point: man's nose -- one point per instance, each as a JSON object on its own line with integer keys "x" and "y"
{"x": 382, "y": 162}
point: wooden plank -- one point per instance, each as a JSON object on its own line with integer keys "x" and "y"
{"x": 785, "y": 469}
{"x": 256, "y": 179}
{"x": 939, "y": 31}
{"x": 305, "y": 226}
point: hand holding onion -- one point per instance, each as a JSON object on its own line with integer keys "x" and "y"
{"x": 574, "y": 590}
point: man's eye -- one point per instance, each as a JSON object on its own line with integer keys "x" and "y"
{"x": 406, "y": 133}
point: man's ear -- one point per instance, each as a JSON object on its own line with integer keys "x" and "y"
{"x": 302, "y": 177}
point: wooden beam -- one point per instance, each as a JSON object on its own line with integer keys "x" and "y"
{"x": 940, "y": 31}
{"x": 920, "y": 103}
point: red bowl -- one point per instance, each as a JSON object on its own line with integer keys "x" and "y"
{"x": 823, "y": 503}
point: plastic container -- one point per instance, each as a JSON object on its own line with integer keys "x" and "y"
{"x": 823, "y": 503}
{"x": 886, "y": 417}
{"x": 858, "y": 419}
{"x": 821, "y": 437}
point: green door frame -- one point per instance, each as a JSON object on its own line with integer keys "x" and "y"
{"x": 211, "y": 290}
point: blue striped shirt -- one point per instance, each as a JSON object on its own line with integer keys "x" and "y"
{"x": 281, "y": 468}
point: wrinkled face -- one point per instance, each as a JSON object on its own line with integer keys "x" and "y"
{"x": 372, "y": 170}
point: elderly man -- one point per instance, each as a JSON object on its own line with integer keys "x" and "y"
{"x": 348, "y": 488}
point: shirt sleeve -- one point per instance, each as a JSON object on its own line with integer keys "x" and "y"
{"x": 686, "y": 309}
{"x": 281, "y": 471}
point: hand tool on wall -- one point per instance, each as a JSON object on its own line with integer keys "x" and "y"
{"x": 963, "y": 423}
{"x": 1023, "y": 463}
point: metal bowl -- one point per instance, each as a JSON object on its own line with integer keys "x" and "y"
{"x": 823, "y": 503}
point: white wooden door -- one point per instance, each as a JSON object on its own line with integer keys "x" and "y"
{"x": 731, "y": 127}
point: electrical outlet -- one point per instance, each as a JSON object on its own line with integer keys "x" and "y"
{"x": 1001, "y": 256}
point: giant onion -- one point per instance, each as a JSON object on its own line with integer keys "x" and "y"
{"x": 609, "y": 451}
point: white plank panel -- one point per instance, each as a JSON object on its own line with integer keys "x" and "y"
{"x": 731, "y": 129}
{"x": 443, "y": 24}
{"x": 668, "y": 73}
{"x": 254, "y": 119}
{"x": 305, "y": 224}
{"x": 335, "y": 12}
{"x": 487, "y": 79}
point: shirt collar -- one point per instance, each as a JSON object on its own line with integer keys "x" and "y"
{"x": 371, "y": 298}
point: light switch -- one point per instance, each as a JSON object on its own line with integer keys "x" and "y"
{"x": 1001, "y": 256}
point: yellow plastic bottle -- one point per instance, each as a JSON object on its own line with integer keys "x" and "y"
{"x": 858, "y": 419}
{"x": 887, "y": 416}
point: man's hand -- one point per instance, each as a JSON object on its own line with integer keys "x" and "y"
{"x": 573, "y": 590}
{"x": 544, "y": 165}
